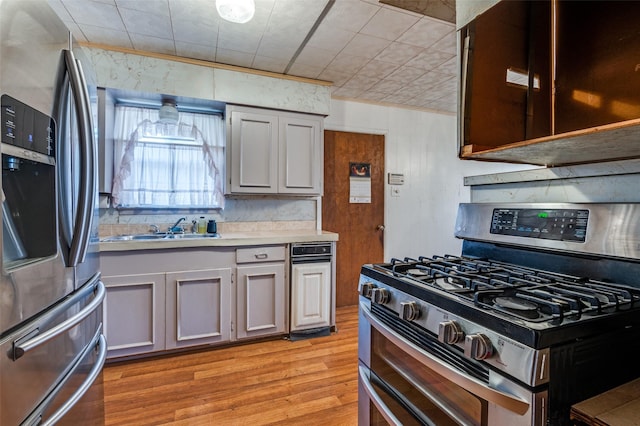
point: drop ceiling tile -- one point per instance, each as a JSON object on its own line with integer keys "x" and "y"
{"x": 365, "y": 45}
{"x": 432, "y": 78}
{"x": 60, "y": 10}
{"x": 196, "y": 51}
{"x": 405, "y": 74}
{"x": 360, "y": 82}
{"x": 399, "y": 53}
{"x": 429, "y": 59}
{"x": 331, "y": 39}
{"x": 276, "y": 50}
{"x": 269, "y": 64}
{"x": 448, "y": 43}
{"x": 303, "y": 70}
{"x": 145, "y": 23}
{"x": 398, "y": 98}
{"x": 446, "y": 90}
{"x": 152, "y": 7}
{"x": 298, "y": 10}
{"x": 426, "y": 32}
{"x": 153, "y": 44}
{"x": 234, "y": 57}
{"x": 188, "y": 31}
{"x": 388, "y": 86}
{"x": 350, "y": 15}
{"x": 377, "y": 69}
{"x": 449, "y": 67}
{"x": 373, "y": 95}
{"x": 347, "y": 63}
{"x": 203, "y": 11}
{"x": 240, "y": 44}
{"x": 337, "y": 77}
{"x": 106, "y": 36}
{"x": 95, "y": 13}
{"x": 389, "y": 24}
{"x": 314, "y": 56}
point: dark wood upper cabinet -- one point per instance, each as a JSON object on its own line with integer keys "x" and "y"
{"x": 551, "y": 82}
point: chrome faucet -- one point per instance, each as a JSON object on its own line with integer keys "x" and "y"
{"x": 172, "y": 229}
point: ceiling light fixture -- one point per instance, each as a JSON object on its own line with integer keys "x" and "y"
{"x": 238, "y": 11}
{"x": 168, "y": 112}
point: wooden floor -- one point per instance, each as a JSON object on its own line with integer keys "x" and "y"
{"x": 306, "y": 382}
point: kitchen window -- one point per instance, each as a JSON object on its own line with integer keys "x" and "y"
{"x": 167, "y": 165}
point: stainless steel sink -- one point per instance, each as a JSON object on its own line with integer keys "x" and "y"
{"x": 158, "y": 237}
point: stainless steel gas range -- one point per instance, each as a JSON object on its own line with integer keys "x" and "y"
{"x": 539, "y": 311}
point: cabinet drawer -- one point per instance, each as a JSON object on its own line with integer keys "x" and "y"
{"x": 260, "y": 254}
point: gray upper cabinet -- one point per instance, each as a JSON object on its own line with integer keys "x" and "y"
{"x": 550, "y": 82}
{"x": 273, "y": 152}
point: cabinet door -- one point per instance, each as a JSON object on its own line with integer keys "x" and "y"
{"x": 198, "y": 307}
{"x": 300, "y": 152}
{"x": 261, "y": 300}
{"x": 254, "y": 152}
{"x": 310, "y": 295}
{"x": 134, "y": 314}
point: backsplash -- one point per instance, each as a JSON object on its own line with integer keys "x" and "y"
{"x": 239, "y": 215}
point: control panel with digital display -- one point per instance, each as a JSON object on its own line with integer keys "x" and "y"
{"x": 552, "y": 224}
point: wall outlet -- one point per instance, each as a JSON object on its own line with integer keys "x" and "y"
{"x": 395, "y": 191}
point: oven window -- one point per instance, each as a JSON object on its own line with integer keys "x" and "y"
{"x": 429, "y": 397}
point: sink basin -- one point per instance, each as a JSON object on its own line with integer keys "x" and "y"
{"x": 158, "y": 237}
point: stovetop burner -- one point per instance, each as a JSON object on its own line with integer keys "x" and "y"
{"x": 515, "y": 292}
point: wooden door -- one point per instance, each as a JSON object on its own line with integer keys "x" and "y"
{"x": 360, "y": 225}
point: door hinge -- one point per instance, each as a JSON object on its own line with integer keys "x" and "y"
{"x": 232, "y": 326}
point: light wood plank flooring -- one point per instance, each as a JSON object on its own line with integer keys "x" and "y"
{"x": 307, "y": 382}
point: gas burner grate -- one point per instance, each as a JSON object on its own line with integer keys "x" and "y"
{"x": 535, "y": 295}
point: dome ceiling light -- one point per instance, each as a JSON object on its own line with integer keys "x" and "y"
{"x": 238, "y": 11}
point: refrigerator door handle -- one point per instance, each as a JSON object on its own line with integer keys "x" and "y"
{"x": 82, "y": 228}
{"x": 27, "y": 343}
{"x": 98, "y": 342}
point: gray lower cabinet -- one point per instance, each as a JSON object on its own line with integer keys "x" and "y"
{"x": 310, "y": 295}
{"x": 198, "y": 307}
{"x": 155, "y": 305}
{"x": 261, "y": 295}
{"x": 134, "y": 314}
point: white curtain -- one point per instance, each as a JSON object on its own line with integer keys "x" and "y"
{"x": 169, "y": 173}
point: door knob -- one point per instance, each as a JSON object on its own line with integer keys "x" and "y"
{"x": 380, "y": 228}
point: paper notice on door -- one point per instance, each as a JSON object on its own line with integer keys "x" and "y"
{"x": 359, "y": 182}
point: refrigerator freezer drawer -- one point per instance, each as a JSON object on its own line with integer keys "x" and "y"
{"x": 30, "y": 370}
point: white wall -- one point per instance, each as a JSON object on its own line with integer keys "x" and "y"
{"x": 423, "y": 146}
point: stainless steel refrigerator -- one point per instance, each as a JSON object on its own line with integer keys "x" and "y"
{"x": 52, "y": 347}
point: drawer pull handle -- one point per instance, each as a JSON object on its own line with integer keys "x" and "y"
{"x": 261, "y": 255}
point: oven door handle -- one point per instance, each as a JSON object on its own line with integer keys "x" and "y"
{"x": 465, "y": 381}
{"x": 375, "y": 398}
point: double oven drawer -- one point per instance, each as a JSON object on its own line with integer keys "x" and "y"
{"x": 401, "y": 382}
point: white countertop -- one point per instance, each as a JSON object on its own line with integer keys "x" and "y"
{"x": 226, "y": 240}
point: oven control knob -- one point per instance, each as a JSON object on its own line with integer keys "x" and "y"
{"x": 380, "y": 295}
{"x": 410, "y": 311}
{"x": 450, "y": 332}
{"x": 366, "y": 289}
{"x": 478, "y": 346}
